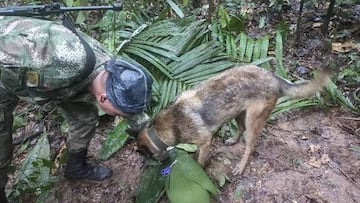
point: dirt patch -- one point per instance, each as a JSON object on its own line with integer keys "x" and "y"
{"x": 303, "y": 156}
{"x": 121, "y": 187}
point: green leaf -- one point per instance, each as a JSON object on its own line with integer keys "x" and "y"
{"x": 18, "y": 122}
{"x": 69, "y": 2}
{"x": 257, "y": 49}
{"x": 285, "y": 104}
{"x": 195, "y": 57}
{"x": 264, "y": 51}
{"x": 224, "y": 17}
{"x": 194, "y": 172}
{"x": 170, "y": 93}
{"x": 64, "y": 127}
{"x": 177, "y": 56}
{"x": 156, "y": 50}
{"x": 355, "y": 148}
{"x": 184, "y": 190}
{"x": 114, "y": 141}
{"x": 34, "y": 174}
{"x": 176, "y": 8}
{"x": 265, "y": 46}
{"x": 337, "y": 97}
{"x": 242, "y": 46}
{"x": 187, "y": 147}
{"x": 233, "y": 47}
{"x": 228, "y": 44}
{"x": 249, "y": 49}
{"x": 40, "y": 151}
{"x": 164, "y": 97}
{"x": 203, "y": 70}
{"x": 151, "y": 186}
{"x": 150, "y": 58}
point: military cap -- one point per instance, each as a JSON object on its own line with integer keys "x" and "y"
{"x": 128, "y": 86}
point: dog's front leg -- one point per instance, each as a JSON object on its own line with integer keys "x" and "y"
{"x": 204, "y": 149}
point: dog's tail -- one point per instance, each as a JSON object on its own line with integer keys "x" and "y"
{"x": 307, "y": 88}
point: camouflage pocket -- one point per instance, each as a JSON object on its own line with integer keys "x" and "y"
{"x": 11, "y": 78}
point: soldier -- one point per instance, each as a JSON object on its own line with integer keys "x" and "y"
{"x": 50, "y": 62}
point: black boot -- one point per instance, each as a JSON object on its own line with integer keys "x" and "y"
{"x": 3, "y": 198}
{"x": 77, "y": 168}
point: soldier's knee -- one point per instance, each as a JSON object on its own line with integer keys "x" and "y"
{"x": 88, "y": 116}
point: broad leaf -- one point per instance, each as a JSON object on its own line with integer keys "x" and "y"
{"x": 151, "y": 186}
{"x": 33, "y": 164}
{"x": 114, "y": 141}
{"x": 187, "y": 147}
{"x": 34, "y": 174}
{"x": 188, "y": 182}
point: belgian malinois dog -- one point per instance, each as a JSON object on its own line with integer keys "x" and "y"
{"x": 246, "y": 93}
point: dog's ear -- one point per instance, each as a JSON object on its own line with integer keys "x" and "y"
{"x": 135, "y": 133}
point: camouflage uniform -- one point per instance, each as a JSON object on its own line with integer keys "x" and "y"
{"x": 39, "y": 62}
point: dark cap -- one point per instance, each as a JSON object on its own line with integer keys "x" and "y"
{"x": 128, "y": 86}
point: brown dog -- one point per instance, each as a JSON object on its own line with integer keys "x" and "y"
{"x": 246, "y": 93}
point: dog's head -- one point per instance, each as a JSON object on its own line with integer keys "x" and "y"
{"x": 150, "y": 145}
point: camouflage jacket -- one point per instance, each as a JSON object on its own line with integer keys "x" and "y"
{"x": 41, "y": 59}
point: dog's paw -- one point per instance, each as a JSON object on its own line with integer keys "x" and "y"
{"x": 230, "y": 141}
{"x": 238, "y": 170}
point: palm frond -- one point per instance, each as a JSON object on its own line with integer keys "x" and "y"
{"x": 177, "y": 56}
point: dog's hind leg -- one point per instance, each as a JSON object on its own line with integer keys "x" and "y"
{"x": 256, "y": 116}
{"x": 240, "y": 120}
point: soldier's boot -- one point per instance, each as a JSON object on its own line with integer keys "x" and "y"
{"x": 77, "y": 168}
{"x": 3, "y": 198}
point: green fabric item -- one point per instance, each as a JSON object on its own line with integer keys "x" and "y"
{"x": 188, "y": 182}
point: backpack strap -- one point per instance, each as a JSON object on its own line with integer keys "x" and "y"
{"x": 90, "y": 56}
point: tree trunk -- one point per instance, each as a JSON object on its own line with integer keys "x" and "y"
{"x": 325, "y": 27}
{"x": 298, "y": 23}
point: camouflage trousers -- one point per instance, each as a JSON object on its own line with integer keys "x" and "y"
{"x": 82, "y": 118}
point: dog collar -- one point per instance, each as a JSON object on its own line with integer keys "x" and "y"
{"x": 156, "y": 140}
